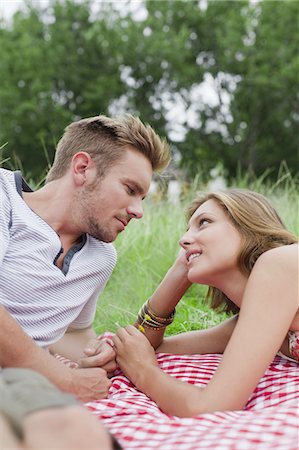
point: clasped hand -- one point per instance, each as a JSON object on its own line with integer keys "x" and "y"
{"x": 128, "y": 348}
{"x": 134, "y": 353}
{"x": 99, "y": 353}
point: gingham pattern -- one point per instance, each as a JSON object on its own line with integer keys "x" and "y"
{"x": 270, "y": 419}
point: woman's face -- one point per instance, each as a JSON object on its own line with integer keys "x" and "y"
{"x": 212, "y": 246}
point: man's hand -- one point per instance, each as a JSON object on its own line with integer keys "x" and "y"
{"x": 19, "y": 350}
{"x": 89, "y": 384}
{"x": 99, "y": 353}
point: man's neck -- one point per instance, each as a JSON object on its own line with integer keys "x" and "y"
{"x": 52, "y": 203}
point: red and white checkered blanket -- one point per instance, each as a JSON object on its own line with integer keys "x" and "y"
{"x": 270, "y": 419}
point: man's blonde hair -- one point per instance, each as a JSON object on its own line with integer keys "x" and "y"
{"x": 106, "y": 139}
{"x": 259, "y": 225}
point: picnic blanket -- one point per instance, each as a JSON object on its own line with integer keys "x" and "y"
{"x": 270, "y": 419}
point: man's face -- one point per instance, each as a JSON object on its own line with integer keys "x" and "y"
{"x": 105, "y": 208}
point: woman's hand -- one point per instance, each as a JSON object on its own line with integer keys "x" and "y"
{"x": 134, "y": 354}
{"x": 137, "y": 359}
{"x": 180, "y": 263}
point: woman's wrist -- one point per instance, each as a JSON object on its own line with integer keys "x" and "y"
{"x": 177, "y": 276}
{"x": 148, "y": 318}
{"x": 144, "y": 377}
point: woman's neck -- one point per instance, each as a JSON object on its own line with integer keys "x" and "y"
{"x": 234, "y": 286}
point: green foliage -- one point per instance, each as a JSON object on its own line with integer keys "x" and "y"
{"x": 52, "y": 72}
{"x": 266, "y": 99}
{"x": 65, "y": 62}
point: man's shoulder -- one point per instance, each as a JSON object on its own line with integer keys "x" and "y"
{"x": 6, "y": 187}
{"x": 5, "y": 173}
{"x": 6, "y": 179}
{"x": 106, "y": 248}
{"x": 9, "y": 196}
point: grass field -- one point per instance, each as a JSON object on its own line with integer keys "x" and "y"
{"x": 148, "y": 247}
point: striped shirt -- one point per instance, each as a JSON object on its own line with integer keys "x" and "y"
{"x": 44, "y": 299}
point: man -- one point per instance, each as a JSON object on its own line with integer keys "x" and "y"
{"x": 55, "y": 246}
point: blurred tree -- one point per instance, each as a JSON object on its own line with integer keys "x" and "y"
{"x": 25, "y": 89}
{"x": 220, "y": 78}
{"x": 248, "y": 53}
{"x": 56, "y": 66}
{"x": 265, "y": 107}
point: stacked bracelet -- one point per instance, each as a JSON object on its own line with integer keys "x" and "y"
{"x": 148, "y": 319}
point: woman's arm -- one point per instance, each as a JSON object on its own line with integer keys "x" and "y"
{"x": 211, "y": 340}
{"x": 167, "y": 295}
{"x": 268, "y": 307}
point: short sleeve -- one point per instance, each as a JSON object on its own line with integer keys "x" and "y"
{"x": 87, "y": 314}
{"x": 108, "y": 260}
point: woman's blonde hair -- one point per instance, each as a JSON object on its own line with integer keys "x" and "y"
{"x": 259, "y": 225}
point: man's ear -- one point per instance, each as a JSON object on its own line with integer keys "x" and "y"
{"x": 81, "y": 164}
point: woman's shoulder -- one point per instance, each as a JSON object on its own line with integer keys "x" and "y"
{"x": 283, "y": 250}
{"x": 286, "y": 255}
{"x": 275, "y": 274}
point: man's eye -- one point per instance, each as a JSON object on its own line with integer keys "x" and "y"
{"x": 130, "y": 190}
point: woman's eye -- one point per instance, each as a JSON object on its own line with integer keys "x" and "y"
{"x": 203, "y": 222}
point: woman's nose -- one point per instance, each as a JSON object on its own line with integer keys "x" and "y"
{"x": 185, "y": 241}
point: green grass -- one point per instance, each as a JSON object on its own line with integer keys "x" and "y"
{"x": 147, "y": 249}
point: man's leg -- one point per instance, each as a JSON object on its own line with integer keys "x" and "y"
{"x": 72, "y": 427}
{"x": 8, "y": 438}
{"x": 43, "y": 417}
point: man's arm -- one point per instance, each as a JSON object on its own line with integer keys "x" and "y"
{"x": 73, "y": 343}
{"x": 17, "y": 349}
{"x": 84, "y": 347}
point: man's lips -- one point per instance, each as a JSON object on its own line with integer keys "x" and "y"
{"x": 123, "y": 222}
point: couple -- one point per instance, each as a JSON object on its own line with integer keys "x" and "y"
{"x": 56, "y": 257}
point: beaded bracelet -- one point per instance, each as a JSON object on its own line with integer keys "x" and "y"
{"x": 148, "y": 319}
{"x": 168, "y": 320}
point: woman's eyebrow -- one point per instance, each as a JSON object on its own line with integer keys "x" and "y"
{"x": 194, "y": 218}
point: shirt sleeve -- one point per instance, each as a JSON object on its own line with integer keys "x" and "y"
{"x": 5, "y": 222}
{"x": 87, "y": 314}
{"x": 86, "y": 317}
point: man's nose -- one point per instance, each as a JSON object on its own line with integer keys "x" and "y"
{"x": 135, "y": 210}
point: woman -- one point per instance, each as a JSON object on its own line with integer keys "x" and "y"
{"x": 236, "y": 244}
